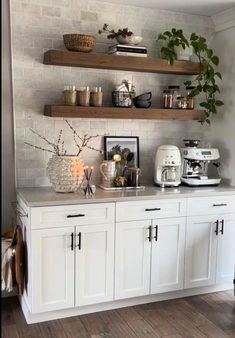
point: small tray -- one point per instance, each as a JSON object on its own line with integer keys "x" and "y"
{"x": 142, "y": 187}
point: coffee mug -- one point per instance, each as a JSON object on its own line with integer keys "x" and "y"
{"x": 108, "y": 170}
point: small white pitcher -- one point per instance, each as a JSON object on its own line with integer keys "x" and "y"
{"x": 108, "y": 172}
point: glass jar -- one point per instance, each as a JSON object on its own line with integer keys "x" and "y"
{"x": 182, "y": 102}
{"x": 190, "y": 100}
{"x": 167, "y": 99}
{"x": 133, "y": 177}
{"x": 175, "y": 92}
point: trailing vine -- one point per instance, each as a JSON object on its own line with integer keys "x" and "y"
{"x": 205, "y": 81}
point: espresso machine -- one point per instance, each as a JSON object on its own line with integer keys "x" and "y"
{"x": 200, "y": 165}
{"x": 167, "y": 166}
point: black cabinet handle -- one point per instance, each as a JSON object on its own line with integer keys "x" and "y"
{"x": 220, "y": 205}
{"x": 79, "y": 240}
{"x": 150, "y": 233}
{"x": 217, "y": 228}
{"x": 156, "y": 233}
{"x": 78, "y": 215}
{"x": 222, "y": 227}
{"x": 153, "y": 209}
{"x": 72, "y": 241}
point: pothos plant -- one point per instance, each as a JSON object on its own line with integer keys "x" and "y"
{"x": 205, "y": 81}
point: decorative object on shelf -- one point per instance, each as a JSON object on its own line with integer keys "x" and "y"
{"x": 65, "y": 171}
{"x": 83, "y": 96}
{"x": 88, "y": 189}
{"x": 205, "y": 81}
{"x": 123, "y": 95}
{"x": 79, "y": 42}
{"x": 127, "y": 50}
{"x": 120, "y": 181}
{"x": 123, "y": 36}
{"x": 108, "y": 172}
{"x": 70, "y": 95}
{"x": 143, "y": 100}
{"x": 124, "y": 150}
{"x": 133, "y": 177}
{"x": 96, "y": 97}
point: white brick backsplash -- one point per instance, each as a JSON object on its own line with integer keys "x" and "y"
{"x": 38, "y": 26}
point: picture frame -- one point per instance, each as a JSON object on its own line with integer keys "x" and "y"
{"x": 122, "y": 145}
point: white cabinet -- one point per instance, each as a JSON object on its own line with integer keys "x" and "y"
{"x": 210, "y": 250}
{"x": 52, "y": 269}
{"x": 94, "y": 264}
{"x": 149, "y": 257}
{"x": 167, "y": 263}
{"x": 132, "y": 259}
{"x": 226, "y": 249}
{"x": 201, "y": 248}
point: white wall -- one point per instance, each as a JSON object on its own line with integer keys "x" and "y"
{"x": 38, "y": 26}
{"x": 8, "y": 169}
{"x": 222, "y": 130}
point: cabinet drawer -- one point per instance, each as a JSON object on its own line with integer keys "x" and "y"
{"x": 141, "y": 210}
{"x": 83, "y": 214}
{"x": 211, "y": 205}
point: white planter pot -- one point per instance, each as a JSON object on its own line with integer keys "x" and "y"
{"x": 184, "y": 54}
{"x": 65, "y": 173}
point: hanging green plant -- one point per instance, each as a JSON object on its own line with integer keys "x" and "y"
{"x": 205, "y": 81}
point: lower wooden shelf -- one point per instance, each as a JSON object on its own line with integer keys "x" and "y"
{"x": 122, "y": 113}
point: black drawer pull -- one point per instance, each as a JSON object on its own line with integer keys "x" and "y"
{"x": 156, "y": 233}
{"x": 153, "y": 209}
{"x": 79, "y": 241}
{"x": 150, "y": 233}
{"x": 222, "y": 227}
{"x": 220, "y": 205}
{"x": 72, "y": 241}
{"x": 217, "y": 228}
{"x": 78, "y": 215}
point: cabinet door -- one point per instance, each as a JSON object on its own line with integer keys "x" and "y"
{"x": 52, "y": 269}
{"x": 132, "y": 259}
{"x": 226, "y": 249}
{"x": 201, "y": 249}
{"x": 94, "y": 264}
{"x": 167, "y": 267}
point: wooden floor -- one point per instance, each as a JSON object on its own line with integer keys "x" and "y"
{"x": 211, "y": 315}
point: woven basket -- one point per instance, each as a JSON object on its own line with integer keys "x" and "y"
{"x": 79, "y": 42}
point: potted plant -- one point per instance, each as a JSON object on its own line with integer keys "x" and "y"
{"x": 205, "y": 82}
{"x": 65, "y": 171}
{"x": 123, "y": 36}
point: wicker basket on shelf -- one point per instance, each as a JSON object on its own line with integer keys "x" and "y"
{"x": 79, "y": 42}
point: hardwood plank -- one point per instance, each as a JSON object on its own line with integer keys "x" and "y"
{"x": 9, "y": 331}
{"x": 122, "y": 113}
{"x": 94, "y": 325}
{"x": 212, "y": 331}
{"x": 230, "y": 333}
{"x": 7, "y": 312}
{"x": 116, "y": 62}
{"x": 51, "y": 329}
{"x": 142, "y": 328}
{"x": 75, "y": 329}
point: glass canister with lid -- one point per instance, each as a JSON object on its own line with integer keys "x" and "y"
{"x": 175, "y": 92}
{"x": 190, "y": 100}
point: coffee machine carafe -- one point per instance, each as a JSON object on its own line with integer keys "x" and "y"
{"x": 167, "y": 166}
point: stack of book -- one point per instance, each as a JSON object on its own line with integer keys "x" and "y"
{"x": 127, "y": 50}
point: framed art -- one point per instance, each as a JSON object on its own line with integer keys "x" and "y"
{"x": 123, "y": 149}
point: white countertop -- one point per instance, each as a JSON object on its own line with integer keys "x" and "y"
{"x": 46, "y": 196}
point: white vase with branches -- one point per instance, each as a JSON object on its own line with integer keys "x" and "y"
{"x": 65, "y": 171}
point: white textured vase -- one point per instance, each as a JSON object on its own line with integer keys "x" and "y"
{"x": 183, "y": 54}
{"x": 65, "y": 173}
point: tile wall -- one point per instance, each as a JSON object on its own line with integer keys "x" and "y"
{"x": 37, "y": 26}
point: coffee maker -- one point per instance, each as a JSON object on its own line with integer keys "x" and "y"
{"x": 167, "y": 166}
{"x": 200, "y": 165}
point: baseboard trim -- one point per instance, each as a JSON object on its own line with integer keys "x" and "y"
{"x": 45, "y": 316}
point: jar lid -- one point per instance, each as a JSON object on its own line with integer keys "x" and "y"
{"x": 189, "y": 87}
{"x": 173, "y": 87}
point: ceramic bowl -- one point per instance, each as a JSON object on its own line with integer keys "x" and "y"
{"x": 144, "y": 97}
{"x": 129, "y": 40}
{"x": 142, "y": 104}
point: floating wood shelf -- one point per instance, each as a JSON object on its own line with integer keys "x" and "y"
{"x": 117, "y": 62}
{"x": 122, "y": 113}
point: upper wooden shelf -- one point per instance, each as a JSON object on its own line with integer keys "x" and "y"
{"x": 117, "y": 62}
{"x": 122, "y": 113}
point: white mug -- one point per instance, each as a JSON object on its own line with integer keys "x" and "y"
{"x": 108, "y": 169}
